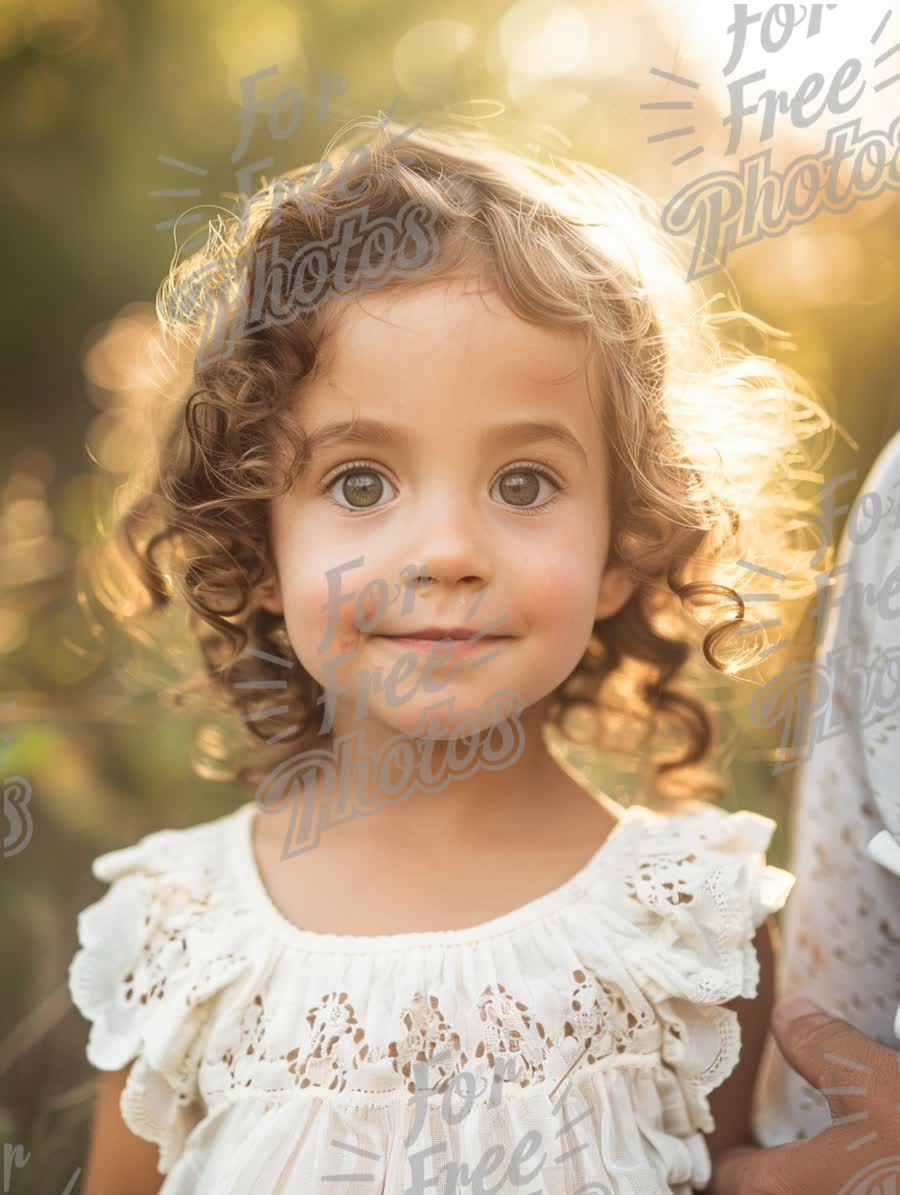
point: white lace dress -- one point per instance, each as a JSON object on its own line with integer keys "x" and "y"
{"x": 570, "y": 1045}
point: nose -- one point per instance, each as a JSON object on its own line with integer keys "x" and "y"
{"x": 451, "y": 545}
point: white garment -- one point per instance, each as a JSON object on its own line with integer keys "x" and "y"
{"x": 841, "y": 942}
{"x": 271, "y": 1057}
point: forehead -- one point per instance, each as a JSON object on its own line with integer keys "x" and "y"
{"x": 448, "y": 348}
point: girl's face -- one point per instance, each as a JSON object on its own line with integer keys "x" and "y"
{"x": 479, "y": 466}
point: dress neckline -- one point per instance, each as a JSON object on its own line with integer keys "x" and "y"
{"x": 314, "y": 941}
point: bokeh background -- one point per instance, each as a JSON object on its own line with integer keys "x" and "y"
{"x": 111, "y": 107}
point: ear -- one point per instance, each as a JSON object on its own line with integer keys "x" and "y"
{"x": 268, "y": 596}
{"x": 616, "y": 588}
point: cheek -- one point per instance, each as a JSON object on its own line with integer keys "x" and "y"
{"x": 324, "y": 625}
{"x": 331, "y": 609}
{"x": 562, "y": 593}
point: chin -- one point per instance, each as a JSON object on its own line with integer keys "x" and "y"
{"x": 439, "y": 717}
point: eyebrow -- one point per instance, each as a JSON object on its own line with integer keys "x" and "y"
{"x": 372, "y": 431}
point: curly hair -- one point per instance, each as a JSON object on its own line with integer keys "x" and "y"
{"x": 707, "y": 438}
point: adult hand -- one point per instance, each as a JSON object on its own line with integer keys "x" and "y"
{"x": 860, "y": 1153}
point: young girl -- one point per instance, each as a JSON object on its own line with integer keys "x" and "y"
{"x": 457, "y": 488}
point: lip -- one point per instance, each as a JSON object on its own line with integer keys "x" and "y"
{"x": 435, "y": 633}
{"x": 448, "y": 644}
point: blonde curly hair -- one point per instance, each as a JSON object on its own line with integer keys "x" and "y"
{"x": 707, "y": 439}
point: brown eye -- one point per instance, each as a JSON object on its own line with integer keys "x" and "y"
{"x": 360, "y": 488}
{"x": 520, "y": 487}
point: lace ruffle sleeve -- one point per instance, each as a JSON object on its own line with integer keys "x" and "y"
{"x": 702, "y": 889}
{"x": 150, "y": 957}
